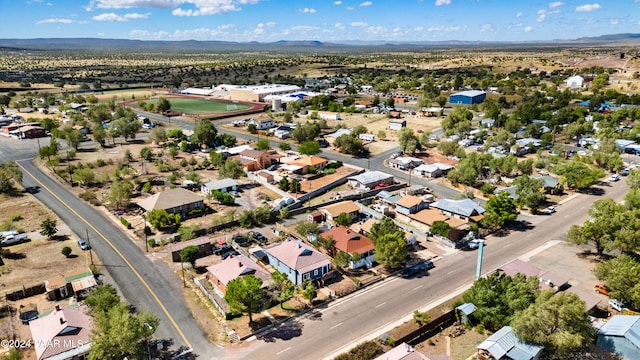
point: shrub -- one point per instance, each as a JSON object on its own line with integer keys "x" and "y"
{"x": 125, "y": 223}
{"x": 16, "y": 217}
{"x": 421, "y": 318}
{"x": 66, "y": 251}
{"x": 334, "y": 165}
{"x": 100, "y": 163}
{"x": 480, "y": 329}
{"x": 152, "y": 242}
{"x": 329, "y": 171}
{"x": 94, "y": 270}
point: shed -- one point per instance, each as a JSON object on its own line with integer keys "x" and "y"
{"x": 203, "y": 244}
{"x": 396, "y": 124}
{"x": 468, "y": 97}
{"x": 465, "y": 310}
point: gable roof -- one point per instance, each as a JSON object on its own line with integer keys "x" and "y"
{"x": 60, "y": 331}
{"x": 341, "y": 207}
{"x": 348, "y": 240}
{"x": 309, "y": 161}
{"x": 403, "y": 351}
{"x": 370, "y": 177}
{"x": 236, "y": 266}
{"x": 250, "y": 153}
{"x": 169, "y": 199}
{"x": 220, "y": 184}
{"x": 409, "y": 201}
{"x": 297, "y": 255}
{"x": 549, "y": 181}
{"x": 428, "y": 216}
{"x": 465, "y": 207}
{"x": 504, "y": 342}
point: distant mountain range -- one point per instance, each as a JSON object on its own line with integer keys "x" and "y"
{"x": 98, "y": 44}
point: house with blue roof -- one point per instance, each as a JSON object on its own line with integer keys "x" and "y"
{"x": 464, "y": 209}
{"x": 621, "y": 335}
{"x": 504, "y": 345}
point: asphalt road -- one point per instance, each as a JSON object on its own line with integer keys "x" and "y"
{"x": 145, "y": 286}
{"x": 360, "y": 316}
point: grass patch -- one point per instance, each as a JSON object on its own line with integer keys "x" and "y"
{"x": 203, "y": 106}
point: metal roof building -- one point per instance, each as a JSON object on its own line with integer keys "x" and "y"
{"x": 468, "y": 97}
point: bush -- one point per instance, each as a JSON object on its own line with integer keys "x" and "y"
{"x": 125, "y": 223}
{"x": 100, "y": 163}
{"x": 66, "y": 251}
{"x": 329, "y": 171}
{"x": 152, "y": 242}
{"x": 366, "y": 350}
{"x": 334, "y": 165}
{"x": 16, "y": 217}
{"x": 94, "y": 270}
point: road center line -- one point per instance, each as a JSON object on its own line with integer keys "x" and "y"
{"x": 451, "y": 272}
{"x": 418, "y": 287}
{"x": 281, "y": 351}
{"x": 335, "y": 326}
{"x": 380, "y": 305}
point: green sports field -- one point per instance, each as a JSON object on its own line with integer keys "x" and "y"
{"x": 203, "y": 106}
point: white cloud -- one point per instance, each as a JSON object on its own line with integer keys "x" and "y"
{"x": 614, "y": 21}
{"x": 519, "y": 14}
{"x": 487, "y": 28}
{"x": 588, "y": 7}
{"x": 443, "y": 2}
{"x": 53, "y": 21}
{"x": 339, "y": 26}
{"x": 337, "y": 3}
{"x": 556, "y": 4}
{"x": 116, "y": 17}
{"x": 136, "y": 16}
{"x": 202, "y": 7}
{"x": 350, "y": 8}
{"x": 365, "y": 4}
{"x": 359, "y": 24}
{"x": 308, "y": 11}
{"x": 542, "y": 15}
{"x": 528, "y": 28}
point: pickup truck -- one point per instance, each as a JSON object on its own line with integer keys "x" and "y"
{"x": 13, "y": 239}
{"x": 415, "y": 269}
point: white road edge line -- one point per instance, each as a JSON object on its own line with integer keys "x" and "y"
{"x": 335, "y": 326}
{"x": 451, "y": 272}
{"x": 379, "y": 305}
{"x": 418, "y": 287}
{"x": 281, "y": 351}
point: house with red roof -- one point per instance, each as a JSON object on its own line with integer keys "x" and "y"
{"x": 65, "y": 333}
{"x": 298, "y": 260}
{"x": 234, "y": 267}
{"x": 354, "y": 244}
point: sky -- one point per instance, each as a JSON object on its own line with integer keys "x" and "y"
{"x": 323, "y": 20}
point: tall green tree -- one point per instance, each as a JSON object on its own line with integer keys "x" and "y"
{"x": 48, "y": 228}
{"x": 204, "y": 133}
{"x": 263, "y": 144}
{"x": 557, "y": 321}
{"x": 190, "y": 254}
{"x": 578, "y": 175}
{"x": 344, "y": 219}
{"x": 530, "y": 192}
{"x": 310, "y": 292}
{"x": 408, "y": 141}
{"x": 160, "y": 218}
{"x": 603, "y": 228}
{"x": 383, "y": 227}
{"x": 500, "y": 209}
{"x": 245, "y": 294}
{"x": 309, "y": 148}
{"x": 498, "y": 297}
{"x": 621, "y": 275}
{"x": 391, "y": 250}
{"x": 102, "y": 298}
{"x": 231, "y": 168}
{"x": 121, "y": 192}
{"x": 163, "y": 105}
{"x": 10, "y": 174}
{"x": 281, "y": 287}
{"x": 633, "y": 180}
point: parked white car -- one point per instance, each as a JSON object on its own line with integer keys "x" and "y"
{"x": 616, "y": 304}
{"x": 614, "y": 177}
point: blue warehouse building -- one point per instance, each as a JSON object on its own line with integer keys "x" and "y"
{"x": 468, "y": 97}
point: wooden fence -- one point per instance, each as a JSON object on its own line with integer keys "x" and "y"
{"x": 429, "y": 330}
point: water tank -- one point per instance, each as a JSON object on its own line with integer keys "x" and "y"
{"x": 276, "y": 104}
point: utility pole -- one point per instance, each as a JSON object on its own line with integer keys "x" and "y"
{"x": 69, "y": 168}
{"x": 184, "y": 276}
{"x": 144, "y": 230}
{"x": 89, "y": 243}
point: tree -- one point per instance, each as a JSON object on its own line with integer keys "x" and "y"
{"x": 157, "y": 135}
{"x": 349, "y": 145}
{"x": 498, "y": 297}
{"x": 603, "y": 228}
{"x": 500, "y": 209}
{"x": 66, "y": 251}
{"x": 231, "y": 168}
{"x": 281, "y": 287}
{"x": 440, "y": 227}
{"x": 10, "y": 174}
{"x": 100, "y": 135}
{"x": 383, "y": 227}
{"x": 408, "y": 141}
{"x": 305, "y": 228}
{"x": 309, "y": 148}
{"x": 190, "y": 254}
{"x": 283, "y": 184}
{"x": 48, "y": 228}
{"x": 344, "y": 219}
{"x": 342, "y": 259}
{"x": 294, "y": 186}
{"x": 245, "y": 294}
{"x": 382, "y": 134}
{"x": 160, "y": 218}
{"x": 85, "y": 176}
{"x": 621, "y": 275}
{"x": 146, "y": 153}
{"x": 391, "y": 250}
{"x": 578, "y": 175}
{"x": 216, "y": 158}
{"x": 328, "y": 243}
{"x": 633, "y": 180}
{"x": 557, "y": 321}
{"x": 530, "y": 193}
{"x": 121, "y": 192}
{"x": 227, "y": 140}
{"x": 246, "y": 219}
{"x": 310, "y": 292}
{"x": 163, "y": 105}
{"x": 204, "y": 133}
{"x": 308, "y": 131}
{"x": 102, "y": 298}
{"x": 72, "y": 137}
{"x": 263, "y": 144}
{"x": 285, "y": 146}
{"x": 222, "y": 197}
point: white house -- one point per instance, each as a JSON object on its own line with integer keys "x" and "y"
{"x": 397, "y": 124}
{"x": 367, "y": 137}
{"x": 575, "y": 82}
{"x": 262, "y": 124}
{"x": 329, "y": 116}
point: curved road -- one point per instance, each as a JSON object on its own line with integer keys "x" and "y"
{"x": 144, "y": 285}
